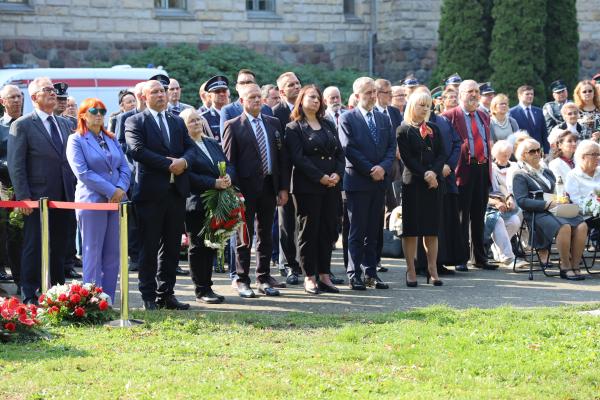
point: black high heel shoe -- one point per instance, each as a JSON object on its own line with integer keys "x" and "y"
{"x": 409, "y": 283}
{"x": 434, "y": 282}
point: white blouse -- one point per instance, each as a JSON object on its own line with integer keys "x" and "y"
{"x": 559, "y": 168}
{"x": 580, "y": 185}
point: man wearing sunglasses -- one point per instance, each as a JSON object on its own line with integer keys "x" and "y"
{"x": 38, "y": 168}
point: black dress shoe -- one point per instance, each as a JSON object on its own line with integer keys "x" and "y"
{"x": 357, "y": 284}
{"x": 71, "y": 273}
{"x": 292, "y": 279}
{"x": 244, "y": 290}
{"x": 4, "y": 276}
{"x": 77, "y": 262}
{"x": 323, "y": 287}
{"x": 283, "y": 272}
{"x": 150, "y": 305}
{"x": 444, "y": 271}
{"x": 171, "y": 303}
{"x": 381, "y": 269}
{"x": 335, "y": 280}
{"x": 461, "y": 268}
{"x": 267, "y": 290}
{"x": 311, "y": 290}
{"x": 376, "y": 282}
{"x": 181, "y": 272}
{"x": 209, "y": 297}
{"x": 487, "y": 266}
{"x": 274, "y": 283}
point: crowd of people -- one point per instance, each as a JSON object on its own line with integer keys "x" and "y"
{"x": 465, "y": 169}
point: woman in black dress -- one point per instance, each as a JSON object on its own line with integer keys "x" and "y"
{"x": 422, "y": 153}
{"x": 318, "y": 163}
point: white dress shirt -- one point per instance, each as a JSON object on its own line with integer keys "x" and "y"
{"x": 44, "y": 117}
{"x": 580, "y": 185}
{"x": 155, "y": 115}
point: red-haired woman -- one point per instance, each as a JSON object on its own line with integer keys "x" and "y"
{"x": 102, "y": 174}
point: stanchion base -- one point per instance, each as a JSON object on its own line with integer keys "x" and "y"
{"x": 124, "y": 323}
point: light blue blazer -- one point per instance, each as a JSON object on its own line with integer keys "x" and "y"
{"x": 98, "y": 173}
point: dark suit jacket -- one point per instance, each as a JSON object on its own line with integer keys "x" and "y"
{"x": 203, "y": 173}
{"x": 452, "y": 143}
{"x": 456, "y": 118}
{"x": 282, "y": 112}
{"x": 149, "y": 151}
{"x": 37, "y": 169}
{"x": 120, "y": 129}
{"x": 235, "y": 109}
{"x": 563, "y": 126}
{"x": 539, "y": 132}
{"x": 241, "y": 148}
{"x": 313, "y": 155}
{"x": 362, "y": 153}
{"x": 412, "y": 147}
{"x": 4, "y": 177}
{"x": 395, "y": 118}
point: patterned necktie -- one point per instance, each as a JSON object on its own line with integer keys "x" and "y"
{"x": 262, "y": 146}
{"x": 477, "y": 140}
{"x": 163, "y": 129}
{"x": 372, "y": 127}
{"x": 55, "y": 134}
{"x": 175, "y": 110}
{"x": 530, "y": 117}
{"x": 337, "y": 118}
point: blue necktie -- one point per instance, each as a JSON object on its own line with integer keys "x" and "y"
{"x": 372, "y": 127}
{"x": 530, "y": 117}
{"x": 55, "y": 134}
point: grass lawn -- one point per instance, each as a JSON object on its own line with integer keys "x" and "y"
{"x": 432, "y": 353}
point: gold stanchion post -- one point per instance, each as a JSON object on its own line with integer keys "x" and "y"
{"x": 45, "y": 231}
{"x": 124, "y": 321}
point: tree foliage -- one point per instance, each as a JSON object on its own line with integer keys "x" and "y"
{"x": 191, "y": 67}
{"x": 518, "y": 46}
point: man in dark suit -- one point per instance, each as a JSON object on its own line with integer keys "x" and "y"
{"x": 159, "y": 144}
{"x": 11, "y": 238}
{"x": 253, "y": 144}
{"x": 217, "y": 88}
{"x": 370, "y": 147}
{"x": 38, "y": 168}
{"x": 289, "y": 88}
{"x": 530, "y": 117}
{"x": 473, "y": 171}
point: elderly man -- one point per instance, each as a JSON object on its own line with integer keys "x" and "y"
{"x": 399, "y": 97}
{"x": 473, "y": 170}
{"x": 253, "y": 145}
{"x": 333, "y": 101}
{"x": 11, "y": 238}
{"x": 551, "y": 110}
{"x": 370, "y": 148}
{"x": 71, "y": 109}
{"x": 38, "y": 168}
{"x": 218, "y": 92}
{"x": 159, "y": 144}
{"x": 270, "y": 95}
{"x": 174, "y": 95}
{"x": 530, "y": 117}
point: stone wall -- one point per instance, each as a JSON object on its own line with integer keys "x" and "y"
{"x": 588, "y": 14}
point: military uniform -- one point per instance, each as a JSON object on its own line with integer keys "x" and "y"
{"x": 551, "y": 110}
{"x": 213, "y": 117}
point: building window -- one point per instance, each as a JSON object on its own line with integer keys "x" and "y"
{"x": 260, "y": 5}
{"x": 16, "y": 6}
{"x": 170, "y": 4}
{"x": 349, "y": 7}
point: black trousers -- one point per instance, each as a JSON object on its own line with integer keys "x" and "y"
{"x": 160, "y": 224}
{"x": 287, "y": 234}
{"x": 472, "y": 203}
{"x": 200, "y": 257}
{"x": 31, "y": 270}
{"x": 11, "y": 246}
{"x": 71, "y": 249}
{"x": 345, "y": 230}
{"x": 260, "y": 207}
{"x": 317, "y": 219}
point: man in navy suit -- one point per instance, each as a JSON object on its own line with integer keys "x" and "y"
{"x": 38, "y": 167}
{"x": 530, "y": 117}
{"x": 370, "y": 147}
{"x": 159, "y": 144}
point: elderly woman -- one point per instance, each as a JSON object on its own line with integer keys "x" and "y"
{"x": 502, "y": 220}
{"x": 102, "y": 175}
{"x": 583, "y": 180}
{"x": 204, "y": 175}
{"x": 501, "y": 125}
{"x": 570, "y": 114}
{"x": 422, "y": 152}
{"x": 529, "y": 185}
{"x": 587, "y": 99}
{"x": 562, "y": 154}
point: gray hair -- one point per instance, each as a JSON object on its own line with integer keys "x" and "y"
{"x": 361, "y": 82}
{"x": 6, "y": 88}
{"x": 521, "y": 148}
{"x": 501, "y": 146}
{"x": 265, "y": 89}
{"x": 462, "y": 88}
{"x": 330, "y": 89}
{"x": 36, "y": 84}
{"x": 584, "y": 148}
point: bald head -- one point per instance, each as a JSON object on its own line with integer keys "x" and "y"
{"x": 468, "y": 95}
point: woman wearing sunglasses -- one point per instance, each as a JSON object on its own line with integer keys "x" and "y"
{"x": 529, "y": 185}
{"x": 102, "y": 175}
{"x": 588, "y": 101}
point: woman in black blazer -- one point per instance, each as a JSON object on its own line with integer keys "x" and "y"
{"x": 317, "y": 165}
{"x": 204, "y": 175}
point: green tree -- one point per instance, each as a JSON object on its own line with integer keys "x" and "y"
{"x": 463, "y": 44}
{"x": 518, "y": 46}
{"x": 562, "y": 39}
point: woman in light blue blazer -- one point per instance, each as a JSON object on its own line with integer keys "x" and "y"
{"x": 102, "y": 174}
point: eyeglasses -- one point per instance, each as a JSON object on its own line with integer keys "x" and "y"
{"x": 595, "y": 155}
{"x": 534, "y": 151}
{"x": 587, "y": 91}
{"x": 47, "y": 89}
{"x": 95, "y": 111}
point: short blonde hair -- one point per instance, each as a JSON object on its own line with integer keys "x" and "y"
{"x": 521, "y": 148}
{"x": 568, "y": 106}
{"x": 583, "y": 148}
{"x": 500, "y": 97}
{"x": 418, "y": 97}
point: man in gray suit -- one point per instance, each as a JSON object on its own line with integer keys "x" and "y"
{"x": 38, "y": 168}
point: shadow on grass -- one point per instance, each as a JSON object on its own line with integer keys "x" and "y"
{"x": 34, "y": 350}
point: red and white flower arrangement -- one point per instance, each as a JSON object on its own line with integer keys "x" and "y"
{"x": 75, "y": 303}
{"x": 17, "y": 318}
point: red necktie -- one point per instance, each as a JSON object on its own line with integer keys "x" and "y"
{"x": 477, "y": 140}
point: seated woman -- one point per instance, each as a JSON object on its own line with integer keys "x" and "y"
{"x": 529, "y": 185}
{"x": 501, "y": 125}
{"x": 502, "y": 219}
{"x": 204, "y": 174}
{"x": 562, "y": 154}
{"x": 570, "y": 114}
{"x": 584, "y": 179}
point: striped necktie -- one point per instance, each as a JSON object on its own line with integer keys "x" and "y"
{"x": 262, "y": 146}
